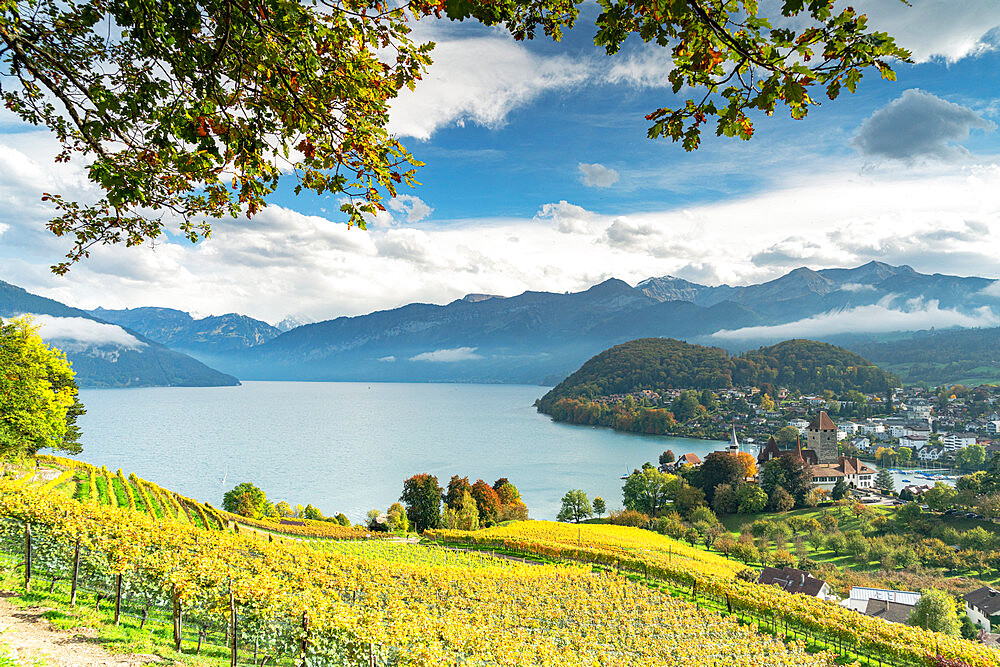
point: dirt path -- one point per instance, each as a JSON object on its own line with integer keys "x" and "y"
{"x": 32, "y": 638}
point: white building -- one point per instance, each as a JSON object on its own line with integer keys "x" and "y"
{"x": 993, "y": 427}
{"x": 983, "y": 607}
{"x": 850, "y": 469}
{"x": 930, "y": 452}
{"x": 850, "y": 428}
{"x": 799, "y": 424}
{"x": 872, "y": 428}
{"x": 956, "y": 441}
{"x": 914, "y": 442}
{"x": 895, "y": 606}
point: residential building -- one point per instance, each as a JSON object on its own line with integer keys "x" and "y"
{"x": 693, "y": 459}
{"x": 914, "y": 442}
{"x": 983, "y": 607}
{"x": 795, "y": 581}
{"x": 894, "y": 606}
{"x": 856, "y": 473}
{"x": 956, "y": 441}
{"x": 931, "y": 453}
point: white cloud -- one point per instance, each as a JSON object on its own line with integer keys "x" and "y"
{"x": 411, "y": 206}
{"x": 857, "y": 287}
{"x": 882, "y": 317}
{"x": 72, "y": 332}
{"x": 935, "y": 219}
{"x": 916, "y": 125}
{"x": 597, "y": 175}
{"x": 388, "y": 359}
{"x": 647, "y": 67}
{"x": 448, "y": 355}
{"x": 480, "y": 80}
{"x": 943, "y": 29}
{"x": 567, "y": 218}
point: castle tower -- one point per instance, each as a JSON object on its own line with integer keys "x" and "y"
{"x": 821, "y": 435}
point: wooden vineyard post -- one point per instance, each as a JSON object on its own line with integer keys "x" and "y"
{"x": 371, "y": 654}
{"x": 177, "y": 621}
{"x": 118, "y": 599}
{"x": 27, "y": 557}
{"x": 76, "y": 573}
{"x": 232, "y": 628}
{"x": 305, "y": 637}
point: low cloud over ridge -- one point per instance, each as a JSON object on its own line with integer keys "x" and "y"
{"x": 449, "y": 355}
{"x": 880, "y": 317}
{"x": 79, "y": 331}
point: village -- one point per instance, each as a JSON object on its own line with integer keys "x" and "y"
{"x": 819, "y": 447}
{"x": 914, "y": 427}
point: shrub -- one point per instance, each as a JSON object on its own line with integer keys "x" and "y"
{"x": 629, "y": 518}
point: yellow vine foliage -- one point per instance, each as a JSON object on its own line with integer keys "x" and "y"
{"x": 487, "y": 612}
{"x": 664, "y": 558}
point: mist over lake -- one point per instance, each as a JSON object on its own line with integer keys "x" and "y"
{"x": 347, "y": 447}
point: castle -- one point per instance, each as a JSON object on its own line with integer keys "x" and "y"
{"x": 821, "y": 437}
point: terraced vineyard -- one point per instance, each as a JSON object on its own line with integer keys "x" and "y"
{"x": 90, "y": 484}
{"x": 595, "y": 595}
{"x": 370, "y": 604}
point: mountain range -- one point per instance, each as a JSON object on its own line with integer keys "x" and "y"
{"x": 104, "y": 354}
{"x": 540, "y": 337}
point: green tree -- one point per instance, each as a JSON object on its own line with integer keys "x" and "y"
{"x": 246, "y": 500}
{"x": 599, "y": 506}
{"x": 457, "y": 487}
{"x": 422, "y": 497}
{"x": 936, "y": 610}
{"x": 158, "y": 106}
{"x": 904, "y": 454}
{"x": 283, "y": 509}
{"x": 941, "y": 496}
{"x": 575, "y": 507}
{"x": 343, "y": 520}
{"x": 688, "y": 498}
{"x": 726, "y": 500}
{"x": 787, "y": 436}
{"x": 971, "y": 457}
{"x": 720, "y": 468}
{"x": 464, "y": 516}
{"x": 648, "y": 490}
{"x": 751, "y": 499}
{"x": 884, "y": 481}
{"x": 789, "y": 473}
{"x": 839, "y": 490}
{"x": 707, "y": 400}
{"x": 781, "y": 500}
{"x": 38, "y": 396}
{"x": 685, "y": 406}
{"x": 311, "y": 512}
{"x": 398, "y": 521}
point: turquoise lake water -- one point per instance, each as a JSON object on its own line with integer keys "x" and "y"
{"x": 347, "y": 447}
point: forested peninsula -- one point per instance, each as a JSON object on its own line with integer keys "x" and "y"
{"x": 665, "y": 386}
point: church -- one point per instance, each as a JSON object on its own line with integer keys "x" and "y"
{"x": 822, "y": 455}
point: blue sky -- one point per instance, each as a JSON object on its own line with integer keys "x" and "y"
{"x": 539, "y": 176}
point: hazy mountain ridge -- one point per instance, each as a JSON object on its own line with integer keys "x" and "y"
{"x": 536, "y": 336}
{"x": 179, "y": 330}
{"x": 105, "y": 354}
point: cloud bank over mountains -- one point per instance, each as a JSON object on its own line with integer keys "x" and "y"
{"x": 76, "y": 332}
{"x": 883, "y": 317}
